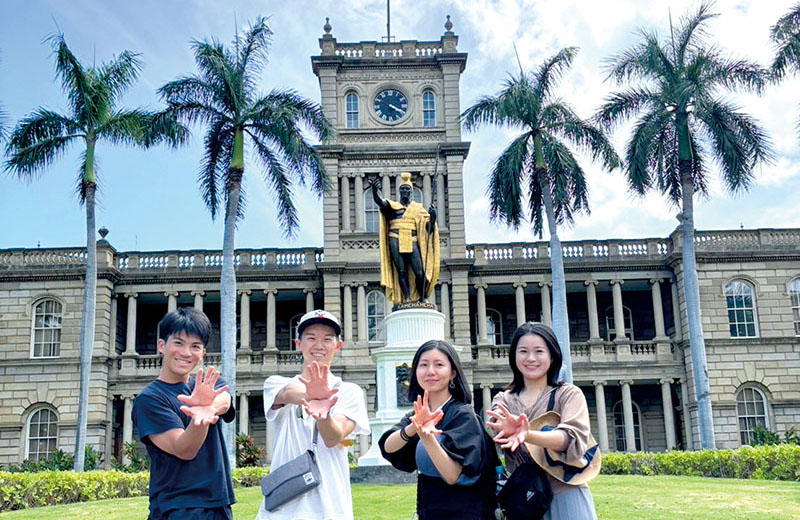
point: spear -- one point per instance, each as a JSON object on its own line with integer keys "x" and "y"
{"x": 433, "y": 202}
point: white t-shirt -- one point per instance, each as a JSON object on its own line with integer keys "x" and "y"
{"x": 331, "y": 500}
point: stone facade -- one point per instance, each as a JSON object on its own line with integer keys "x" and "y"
{"x": 630, "y": 353}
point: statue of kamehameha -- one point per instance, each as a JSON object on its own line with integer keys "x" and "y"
{"x": 409, "y": 244}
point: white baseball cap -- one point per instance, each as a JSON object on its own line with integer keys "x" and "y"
{"x": 318, "y": 316}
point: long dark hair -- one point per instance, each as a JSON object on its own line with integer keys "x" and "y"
{"x": 546, "y": 333}
{"x": 461, "y": 392}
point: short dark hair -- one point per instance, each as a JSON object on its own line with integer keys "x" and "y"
{"x": 187, "y": 320}
{"x": 461, "y": 392}
{"x": 556, "y": 358}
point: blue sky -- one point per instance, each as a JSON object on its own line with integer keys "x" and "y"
{"x": 149, "y": 200}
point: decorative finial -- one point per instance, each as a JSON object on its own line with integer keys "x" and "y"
{"x": 448, "y": 25}
{"x": 103, "y": 232}
{"x": 327, "y": 27}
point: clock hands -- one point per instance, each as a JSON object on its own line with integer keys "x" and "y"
{"x": 394, "y": 107}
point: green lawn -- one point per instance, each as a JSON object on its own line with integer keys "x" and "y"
{"x": 617, "y": 497}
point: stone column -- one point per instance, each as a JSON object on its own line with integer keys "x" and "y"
{"x": 602, "y": 422}
{"x": 687, "y": 417}
{"x": 658, "y": 310}
{"x": 112, "y": 330}
{"x": 591, "y": 300}
{"x": 627, "y": 412}
{"x": 669, "y": 419}
{"x": 482, "y": 338}
{"x": 486, "y": 399}
{"x": 109, "y": 433}
{"x": 676, "y": 311}
{"x": 363, "y": 444}
{"x": 441, "y": 217}
{"x": 619, "y": 312}
{"x": 198, "y": 299}
{"x": 127, "y": 424}
{"x": 547, "y": 317}
{"x": 244, "y": 413}
{"x": 130, "y": 338}
{"x": 361, "y": 312}
{"x": 347, "y": 312}
{"x": 309, "y": 299}
{"x": 244, "y": 319}
{"x": 519, "y": 289}
{"x": 426, "y": 190}
{"x": 444, "y": 308}
{"x": 358, "y": 188}
{"x": 271, "y": 343}
{"x": 346, "y": 204}
{"x": 386, "y": 188}
{"x": 172, "y": 300}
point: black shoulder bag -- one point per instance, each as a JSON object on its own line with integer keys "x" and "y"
{"x": 526, "y": 494}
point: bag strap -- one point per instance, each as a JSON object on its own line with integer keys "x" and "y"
{"x": 552, "y": 403}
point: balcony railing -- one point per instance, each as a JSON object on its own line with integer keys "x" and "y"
{"x": 585, "y": 352}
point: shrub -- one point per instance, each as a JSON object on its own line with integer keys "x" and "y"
{"x": 248, "y": 477}
{"x": 769, "y": 462}
{"x": 59, "y": 460}
{"x": 762, "y": 436}
{"x": 248, "y": 454}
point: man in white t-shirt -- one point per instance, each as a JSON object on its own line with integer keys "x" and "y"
{"x": 316, "y": 396}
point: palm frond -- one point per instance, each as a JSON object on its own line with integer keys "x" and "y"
{"x": 125, "y": 127}
{"x": 567, "y": 180}
{"x": 560, "y": 119}
{"x": 218, "y": 148}
{"x": 691, "y": 32}
{"x": 276, "y": 176}
{"x": 74, "y": 78}
{"x": 785, "y": 34}
{"x": 163, "y": 126}
{"x": 505, "y": 182}
{"x": 739, "y": 143}
{"x": 81, "y": 185}
{"x": 120, "y": 74}
{"x": 619, "y": 106}
{"x": 253, "y": 51}
{"x": 732, "y": 74}
{"x": 644, "y": 146}
{"x": 552, "y": 70}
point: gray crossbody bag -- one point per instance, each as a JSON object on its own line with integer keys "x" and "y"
{"x": 295, "y": 478}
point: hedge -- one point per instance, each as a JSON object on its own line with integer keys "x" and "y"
{"x": 47, "y": 488}
{"x": 778, "y": 462}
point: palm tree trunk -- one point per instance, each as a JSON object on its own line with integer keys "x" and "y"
{"x": 88, "y": 318}
{"x": 560, "y": 315}
{"x": 692, "y": 292}
{"x": 227, "y": 291}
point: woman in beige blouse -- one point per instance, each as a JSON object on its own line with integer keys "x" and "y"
{"x": 567, "y": 451}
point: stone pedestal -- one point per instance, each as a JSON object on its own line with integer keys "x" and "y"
{"x": 406, "y": 330}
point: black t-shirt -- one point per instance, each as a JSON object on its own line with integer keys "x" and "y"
{"x": 204, "y": 481}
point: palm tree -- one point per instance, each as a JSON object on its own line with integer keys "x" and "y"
{"x": 682, "y": 122}
{"x": 223, "y": 97}
{"x": 539, "y": 166}
{"x": 93, "y": 116}
{"x": 786, "y": 36}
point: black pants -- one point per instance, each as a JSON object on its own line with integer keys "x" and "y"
{"x": 198, "y": 513}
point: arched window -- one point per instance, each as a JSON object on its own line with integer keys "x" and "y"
{"x": 293, "y": 331}
{"x": 741, "y": 309}
{"x": 46, "y": 329}
{"x": 611, "y": 330}
{"x": 376, "y": 311}
{"x": 619, "y": 426}
{"x": 428, "y": 109}
{"x": 751, "y": 409}
{"x": 794, "y": 295}
{"x": 351, "y": 110}
{"x": 372, "y": 217}
{"x": 42, "y": 434}
{"x": 494, "y": 327}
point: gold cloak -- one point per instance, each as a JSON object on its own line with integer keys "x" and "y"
{"x": 418, "y": 216}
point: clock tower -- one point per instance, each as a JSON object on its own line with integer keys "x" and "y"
{"x": 395, "y": 107}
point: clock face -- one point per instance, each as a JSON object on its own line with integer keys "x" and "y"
{"x": 390, "y": 105}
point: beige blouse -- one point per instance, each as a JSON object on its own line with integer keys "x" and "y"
{"x": 571, "y": 406}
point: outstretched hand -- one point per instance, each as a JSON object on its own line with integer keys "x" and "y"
{"x": 319, "y": 408}
{"x": 511, "y": 429}
{"x": 199, "y": 405}
{"x": 424, "y": 420}
{"x": 317, "y": 382}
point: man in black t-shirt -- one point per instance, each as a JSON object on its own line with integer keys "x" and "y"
{"x": 177, "y": 419}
